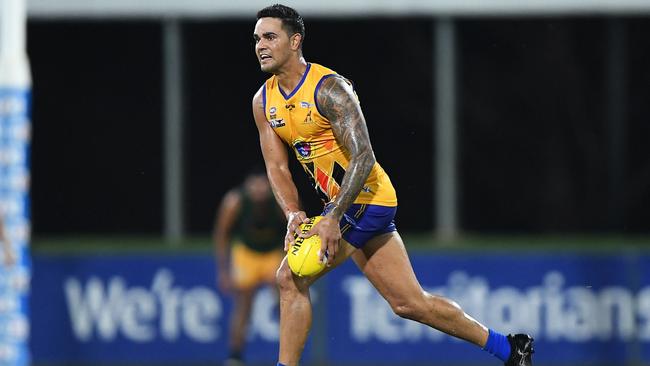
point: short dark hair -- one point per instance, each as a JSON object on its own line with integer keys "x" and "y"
{"x": 291, "y": 21}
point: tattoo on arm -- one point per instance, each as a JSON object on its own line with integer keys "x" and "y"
{"x": 337, "y": 102}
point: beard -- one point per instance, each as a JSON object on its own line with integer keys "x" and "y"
{"x": 269, "y": 68}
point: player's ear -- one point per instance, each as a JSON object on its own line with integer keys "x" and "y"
{"x": 296, "y": 39}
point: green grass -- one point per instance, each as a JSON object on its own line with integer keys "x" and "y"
{"x": 119, "y": 244}
{"x": 414, "y": 242}
{"x": 523, "y": 243}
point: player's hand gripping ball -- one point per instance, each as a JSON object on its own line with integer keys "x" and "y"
{"x": 303, "y": 253}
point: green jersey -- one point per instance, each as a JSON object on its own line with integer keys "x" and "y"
{"x": 259, "y": 226}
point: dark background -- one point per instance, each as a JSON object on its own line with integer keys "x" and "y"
{"x": 534, "y": 141}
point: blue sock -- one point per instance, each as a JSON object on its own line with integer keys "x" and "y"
{"x": 498, "y": 346}
{"x": 280, "y": 364}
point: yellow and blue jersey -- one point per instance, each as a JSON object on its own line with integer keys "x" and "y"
{"x": 297, "y": 119}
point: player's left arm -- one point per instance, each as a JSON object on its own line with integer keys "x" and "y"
{"x": 337, "y": 101}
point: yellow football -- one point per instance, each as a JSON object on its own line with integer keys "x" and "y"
{"x": 303, "y": 253}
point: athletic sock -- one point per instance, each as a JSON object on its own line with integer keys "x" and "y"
{"x": 498, "y": 346}
{"x": 280, "y": 364}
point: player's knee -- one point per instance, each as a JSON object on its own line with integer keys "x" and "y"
{"x": 407, "y": 311}
{"x": 283, "y": 278}
{"x": 420, "y": 308}
{"x": 413, "y": 309}
{"x": 289, "y": 284}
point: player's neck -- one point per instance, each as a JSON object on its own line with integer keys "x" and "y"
{"x": 290, "y": 76}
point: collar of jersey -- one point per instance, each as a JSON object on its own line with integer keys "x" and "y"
{"x": 302, "y": 80}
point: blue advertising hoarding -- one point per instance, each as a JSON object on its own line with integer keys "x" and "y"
{"x": 139, "y": 309}
{"x": 161, "y": 309}
{"x": 581, "y": 310}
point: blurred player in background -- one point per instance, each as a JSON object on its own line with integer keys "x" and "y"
{"x": 316, "y": 112}
{"x": 8, "y": 258}
{"x": 248, "y": 229}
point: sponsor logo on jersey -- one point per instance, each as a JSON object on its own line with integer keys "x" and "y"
{"x": 308, "y": 118}
{"x": 275, "y": 123}
{"x": 290, "y": 107}
{"x": 302, "y": 148}
{"x": 305, "y": 105}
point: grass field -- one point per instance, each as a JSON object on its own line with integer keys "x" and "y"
{"x": 414, "y": 242}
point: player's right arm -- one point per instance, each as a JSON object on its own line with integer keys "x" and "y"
{"x": 276, "y": 160}
{"x": 226, "y": 217}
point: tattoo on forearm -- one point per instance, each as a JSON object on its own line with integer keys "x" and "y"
{"x": 338, "y": 103}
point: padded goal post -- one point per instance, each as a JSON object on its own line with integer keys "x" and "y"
{"x": 15, "y": 127}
